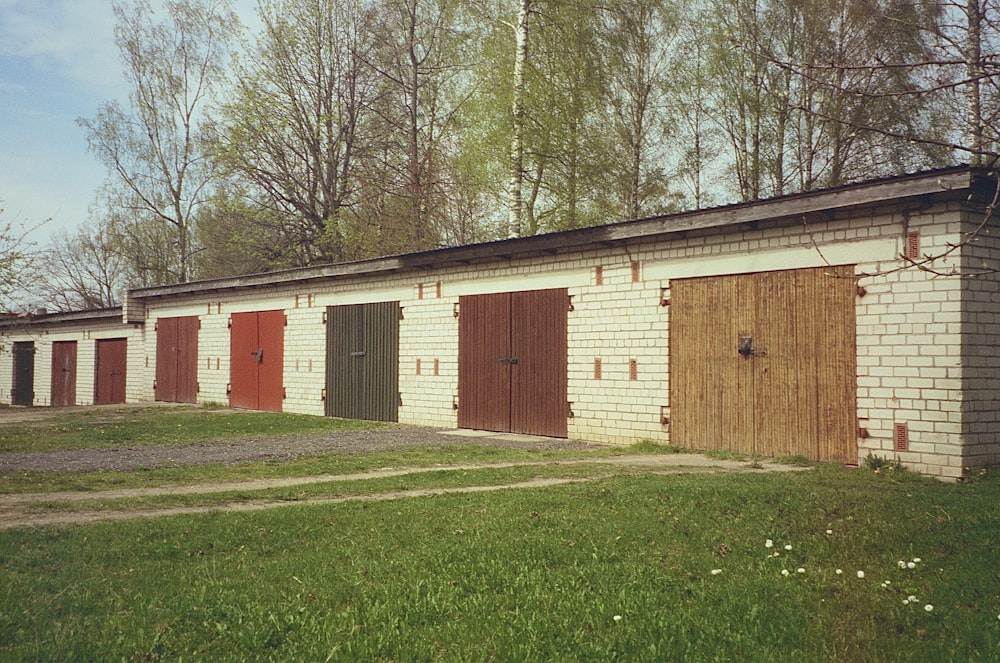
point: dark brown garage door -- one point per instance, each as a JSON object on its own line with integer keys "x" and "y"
{"x": 362, "y": 361}
{"x": 512, "y": 362}
{"x": 63, "y": 373}
{"x": 177, "y": 359}
{"x": 765, "y": 363}
{"x": 257, "y": 349}
{"x": 112, "y": 354}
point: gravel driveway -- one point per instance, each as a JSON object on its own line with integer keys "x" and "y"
{"x": 278, "y": 448}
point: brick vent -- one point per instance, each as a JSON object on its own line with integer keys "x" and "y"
{"x": 901, "y": 437}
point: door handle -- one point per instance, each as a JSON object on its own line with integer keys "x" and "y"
{"x": 359, "y": 353}
{"x": 507, "y": 360}
{"x": 259, "y": 354}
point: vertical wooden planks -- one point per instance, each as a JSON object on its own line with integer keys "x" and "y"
{"x": 63, "y": 373}
{"x": 792, "y": 389}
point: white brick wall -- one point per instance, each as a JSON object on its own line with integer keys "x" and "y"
{"x": 913, "y": 365}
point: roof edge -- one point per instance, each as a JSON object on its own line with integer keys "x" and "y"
{"x": 856, "y": 195}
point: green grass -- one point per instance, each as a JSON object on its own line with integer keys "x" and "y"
{"x": 90, "y": 428}
{"x": 332, "y": 463}
{"x": 531, "y": 575}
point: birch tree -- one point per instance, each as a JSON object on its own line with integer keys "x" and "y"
{"x": 154, "y": 146}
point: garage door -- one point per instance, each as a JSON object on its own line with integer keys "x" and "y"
{"x": 362, "y": 379}
{"x": 257, "y": 347}
{"x": 512, "y": 362}
{"x": 112, "y": 354}
{"x": 23, "y": 389}
{"x": 177, "y": 359}
{"x": 765, "y": 363}
{"x": 63, "y": 373}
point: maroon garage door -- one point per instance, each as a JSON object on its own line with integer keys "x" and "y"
{"x": 63, "y": 373}
{"x": 257, "y": 343}
{"x": 177, "y": 359}
{"x": 512, "y": 362}
{"x": 111, "y": 358}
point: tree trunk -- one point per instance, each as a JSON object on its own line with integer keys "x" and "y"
{"x": 516, "y": 212}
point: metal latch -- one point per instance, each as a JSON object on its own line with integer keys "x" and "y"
{"x": 507, "y": 360}
{"x": 359, "y": 353}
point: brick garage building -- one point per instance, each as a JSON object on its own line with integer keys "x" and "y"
{"x": 790, "y": 326}
{"x": 75, "y": 358}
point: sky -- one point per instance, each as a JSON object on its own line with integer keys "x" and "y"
{"x": 58, "y": 62}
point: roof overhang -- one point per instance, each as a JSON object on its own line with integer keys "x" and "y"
{"x": 953, "y": 183}
{"x": 95, "y": 316}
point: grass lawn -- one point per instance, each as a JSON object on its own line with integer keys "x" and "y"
{"x": 630, "y": 568}
{"x": 88, "y": 428}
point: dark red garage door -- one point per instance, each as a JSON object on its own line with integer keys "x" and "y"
{"x": 177, "y": 359}
{"x": 512, "y": 362}
{"x": 63, "y": 373}
{"x": 257, "y": 343}
{"x": 111, "y": 360}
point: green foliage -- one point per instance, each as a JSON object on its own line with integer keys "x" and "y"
{"x": 630, "y": 568}
{"x": 881, "y": 464}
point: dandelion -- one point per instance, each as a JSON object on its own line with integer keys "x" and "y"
{"x": 861, "y": 574}
{"x": 929, "y": 607}
{"x": 617, "y": 618}
{"x": 769, "y": 543}
{"x": 788, "y": 546}
{"x": 716, "y": 572}
{"x": 784, "y": 572}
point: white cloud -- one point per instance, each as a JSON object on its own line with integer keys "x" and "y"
{"x": 71, "y": 38}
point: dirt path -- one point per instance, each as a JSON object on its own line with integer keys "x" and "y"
{"x": 22, "y": 510}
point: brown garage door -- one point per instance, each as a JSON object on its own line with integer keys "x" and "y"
{"x": 765, "y": 363}
{"x": 257, "y": 346}
{"x": 512, "y": 362}
{"x": 177, "y": 359}
{"x": 63, "y": 373}
{"x": 112, "y": 354}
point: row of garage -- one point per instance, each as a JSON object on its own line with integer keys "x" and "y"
{"x": 771, "y": 328}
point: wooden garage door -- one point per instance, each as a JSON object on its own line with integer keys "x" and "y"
{"x": 512, "y": 362}
{"x": 63, "y": 373}
{"x": 362, "y": 361}
{"x": 112, "y": 355}
{"x": 177, "y": 359}
{"x": 257, "y": 347}
{"x": 765, "y": 363}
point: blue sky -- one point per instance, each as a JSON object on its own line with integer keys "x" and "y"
{"x": 58, "y": 62}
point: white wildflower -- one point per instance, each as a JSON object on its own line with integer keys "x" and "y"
{"x": 928, "y": 607}
{"x": 839, "y": 571}
{"x": 784, "y": 572}
{"x": 861, "y": 574}
{"x": 800, "y": 570}
{"x": 788, "y": 546}
{"x": 716, "y": 572}
{"x": 911, "y": 565}
{"x": 769, "y": 543}
{"x": 617, "y": 618}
